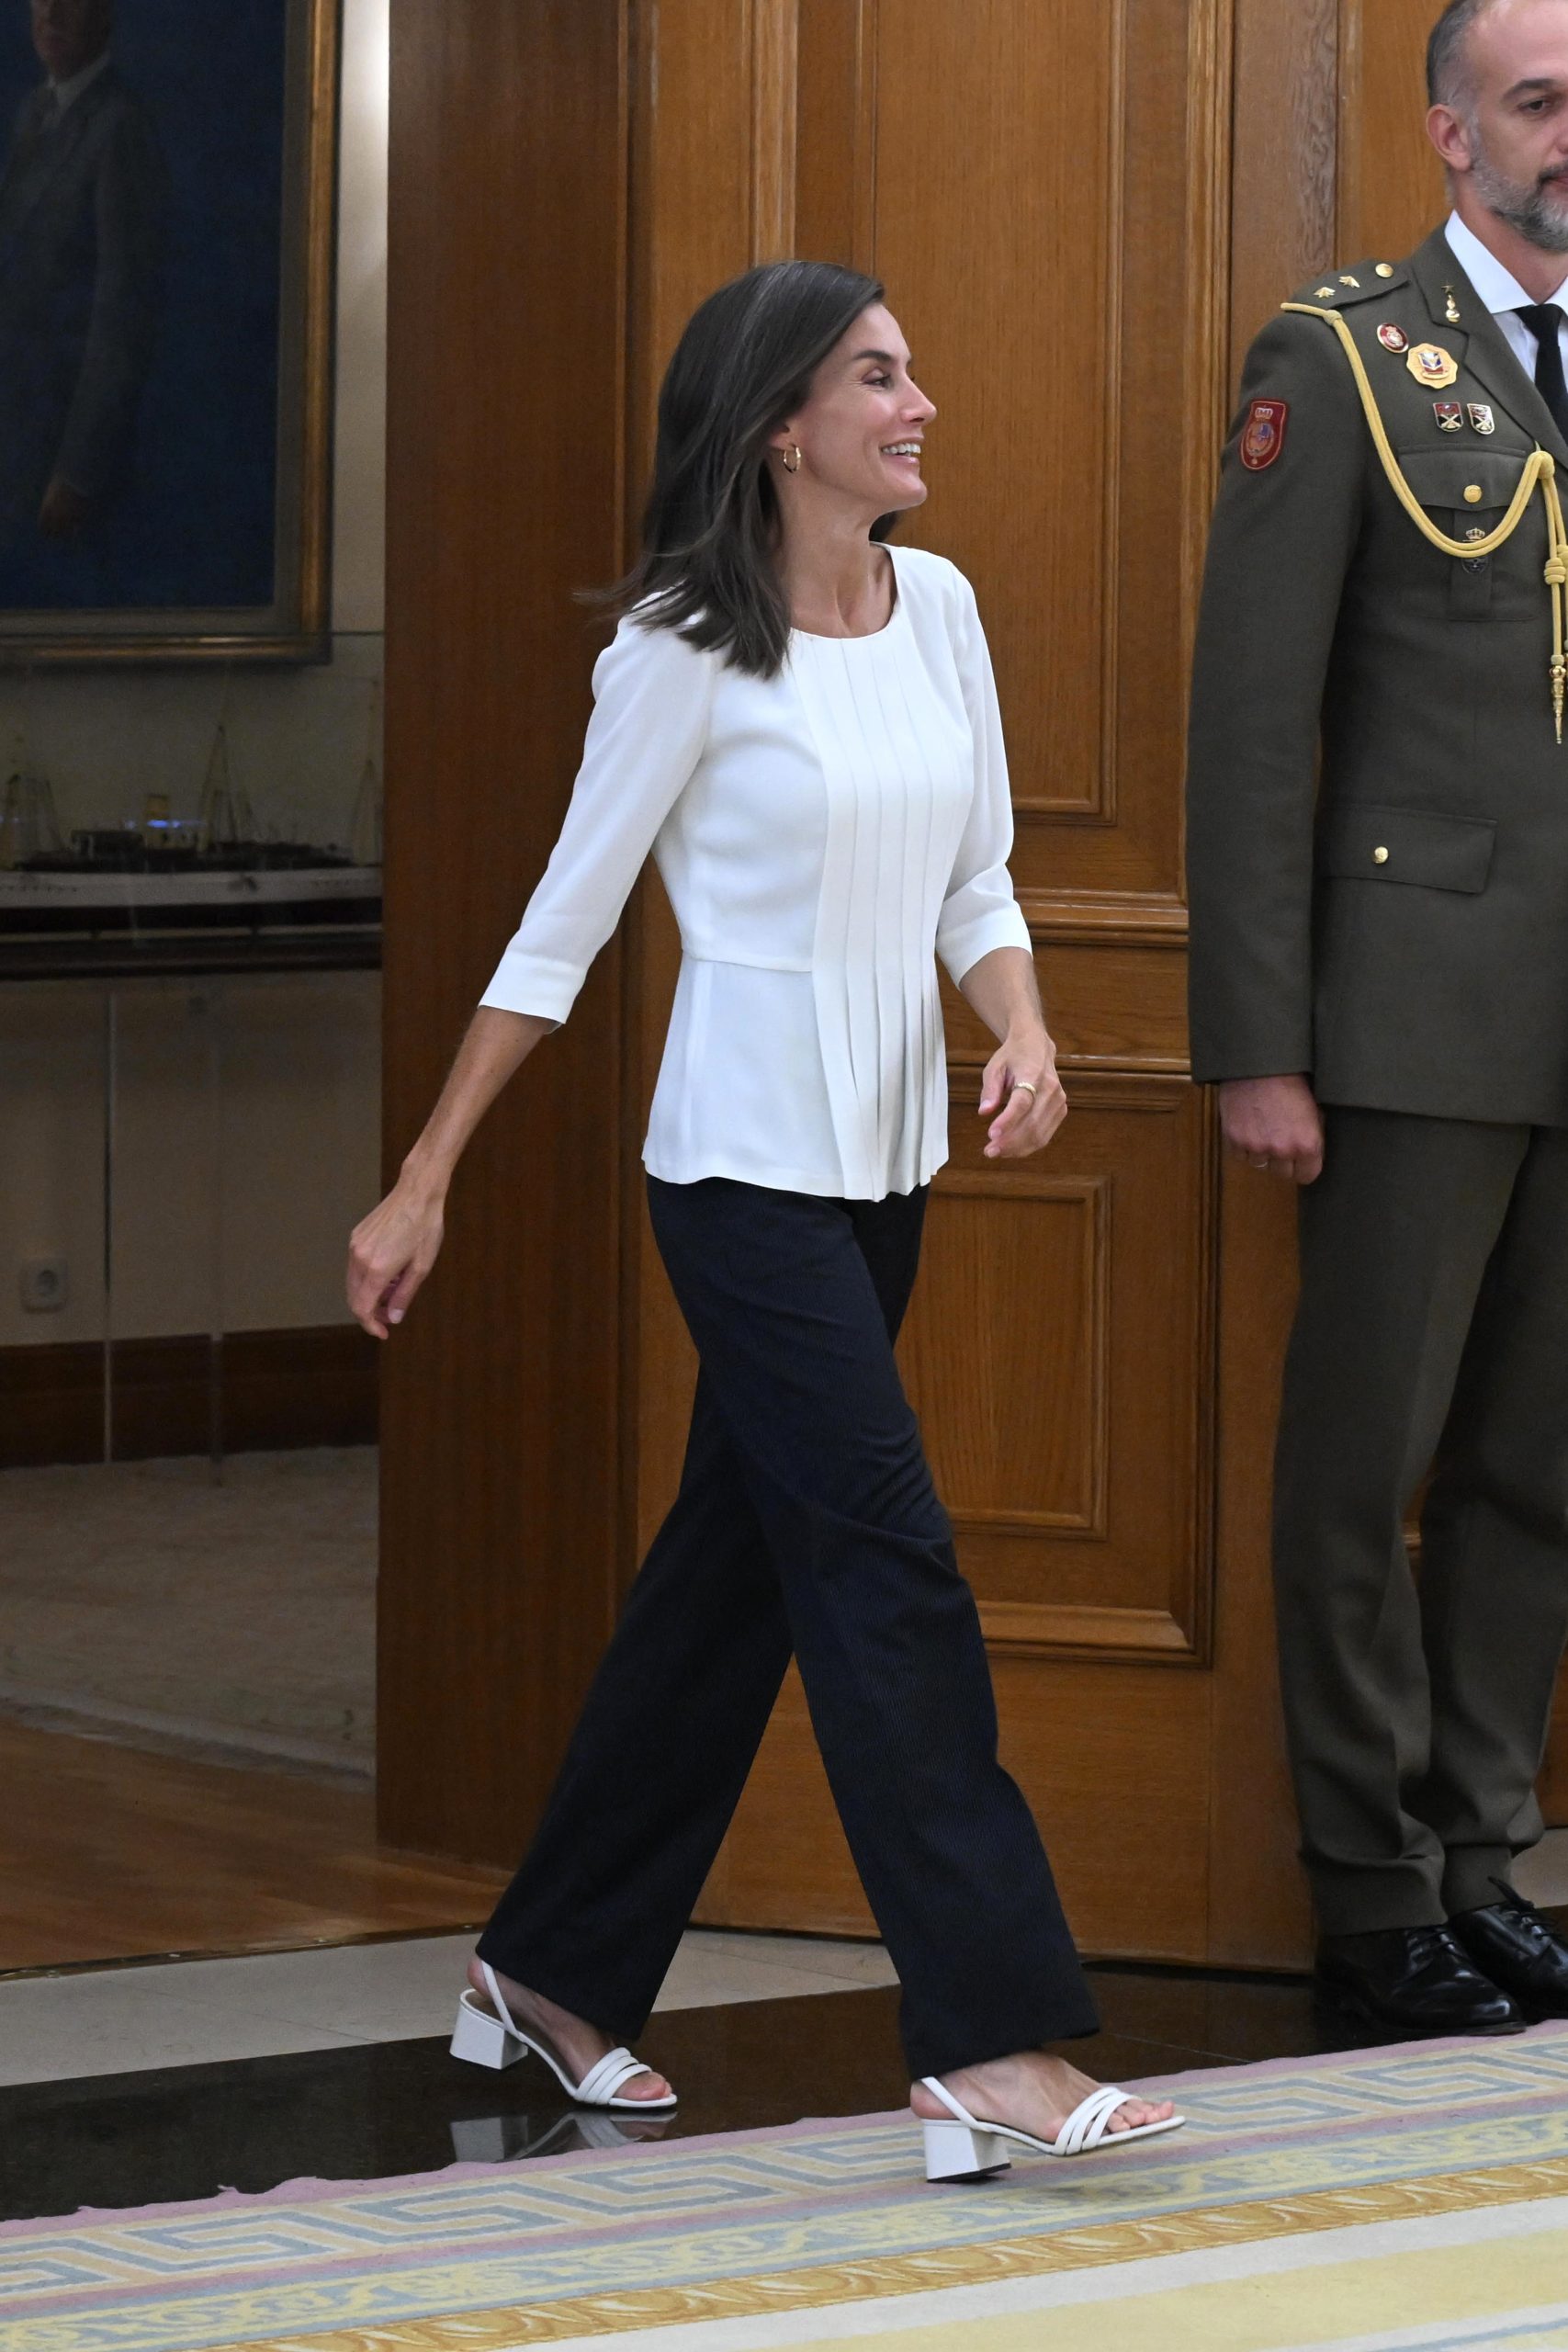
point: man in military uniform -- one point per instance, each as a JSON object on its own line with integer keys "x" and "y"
{"x": 1379, "y": 883}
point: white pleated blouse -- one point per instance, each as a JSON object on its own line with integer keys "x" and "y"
{"x": 823, "y": 836}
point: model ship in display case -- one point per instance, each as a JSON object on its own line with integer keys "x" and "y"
{"x": 114, "y": 882}
{"x": 168, "y": 873}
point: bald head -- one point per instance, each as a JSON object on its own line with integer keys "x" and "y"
{"x": 1499, "y": 116}
{"x": 1453, "y": 59}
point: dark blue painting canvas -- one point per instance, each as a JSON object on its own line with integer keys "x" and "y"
{"x": 145, "y": 285}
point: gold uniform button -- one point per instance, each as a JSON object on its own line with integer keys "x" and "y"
{"x": 1474, "y": 494}
{"x": 1379, "y": 857}
{"x": 1385, "y": 269}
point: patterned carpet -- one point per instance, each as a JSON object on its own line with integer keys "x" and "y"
{"x": 1415, "y": 2197}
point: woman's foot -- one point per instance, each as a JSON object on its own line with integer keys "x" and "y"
{"x": 1033, "y": 2092}
{"x": 577, "y": 2044}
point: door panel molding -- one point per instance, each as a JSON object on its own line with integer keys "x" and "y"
{"x": 1091, "y": 1360}
{"x": 969, "y": 1422}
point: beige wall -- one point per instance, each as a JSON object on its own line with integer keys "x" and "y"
{"x": 293, "y": 1149}
{"x": 301, "y": 1057}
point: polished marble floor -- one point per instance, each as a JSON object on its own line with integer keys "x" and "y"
{"x": 370, "y": 2109}
{"x": 156, "y": 2084}
{"x": 124, "y": 2091}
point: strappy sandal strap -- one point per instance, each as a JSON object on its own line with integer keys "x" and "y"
{"x": 955, "y": 2107}
{"x": 1088, "y": 2125}
{"x": 1085, "y": 2128}
{"x": 602, "y": 2081}
{"x": 497, "y": 1998}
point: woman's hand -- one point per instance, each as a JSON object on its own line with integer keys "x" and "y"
{"x": 1023, "y": 1095}
{"x": 392, "y": 1250}
{"x": 390, "y": 1254}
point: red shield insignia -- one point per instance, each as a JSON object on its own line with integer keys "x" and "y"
{"x": 1450, "y": 416}
{"x": 1263, "y": 436}
{"x": 1393, "y": 338}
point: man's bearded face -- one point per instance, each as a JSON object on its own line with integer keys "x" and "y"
{"x": 1538, "y": 208}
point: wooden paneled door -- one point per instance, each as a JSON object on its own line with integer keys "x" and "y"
{"x": 1060, "y": 210}
{"x": 1083, "y": 211}
{"x": 1045, "y": 192}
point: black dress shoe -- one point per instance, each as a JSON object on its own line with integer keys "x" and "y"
{"x": 1514, "y": 1946}
{"x": 1414, "y": 1980}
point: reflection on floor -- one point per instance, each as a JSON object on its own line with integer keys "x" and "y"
{"x": 106, "y": 1853}
{"x": 340, "y": 2109}
{"x": 269, "y": 1573}
{"x": 139, "y": 2020}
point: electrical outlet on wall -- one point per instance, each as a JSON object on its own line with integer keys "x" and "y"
{"x": 45, "y": 1285}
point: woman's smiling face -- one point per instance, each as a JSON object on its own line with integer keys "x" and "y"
{"x": 860, "y": 433}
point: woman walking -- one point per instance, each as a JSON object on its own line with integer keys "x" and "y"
{"x": 801, "y": 724}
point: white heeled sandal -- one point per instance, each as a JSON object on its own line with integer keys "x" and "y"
{"x": 959, "y": 2150}
{"x": 492, "y": 2037}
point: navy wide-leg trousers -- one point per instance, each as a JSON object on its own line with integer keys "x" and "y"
{"x": 807, "y": 1524}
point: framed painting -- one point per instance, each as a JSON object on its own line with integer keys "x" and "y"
{"x": 167, "y": 225}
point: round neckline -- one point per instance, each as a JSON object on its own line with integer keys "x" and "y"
{"x": 870, "y": 635}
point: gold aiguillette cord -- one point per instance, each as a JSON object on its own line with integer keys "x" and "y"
{"x": 1540, "y": 467}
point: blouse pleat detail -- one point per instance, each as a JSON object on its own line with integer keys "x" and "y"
{"x": 824, "y": 837}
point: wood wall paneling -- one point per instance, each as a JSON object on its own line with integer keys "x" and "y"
{"x": 1285, "y": 145}
{"x": 1039, "y": 186}
{"x": 1083, "y": 215}
{"x": 501, "y": 1510}
{"x": 278, "y": 1389}
{"x": 1391, "y": 192}
{"x": 1063, "y": 147}
{"x": 1282, "y": 207}
{"x": 713, "y": 190}
{"x": 835, "y": 132}
{"x": 1068, "y": 1419}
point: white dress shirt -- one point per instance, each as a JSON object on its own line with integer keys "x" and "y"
{"x": 1502, "y": 293}
{"x": 823, "y": 836}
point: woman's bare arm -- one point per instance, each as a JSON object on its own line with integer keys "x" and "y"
{"x": 392, "y": 1250}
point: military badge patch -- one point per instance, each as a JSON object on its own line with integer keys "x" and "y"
{"x": 1393, "y": 338}
{"x": 1481, "y": 417}
{"x": 1263, "y": 436}
{"x": 1430, "y": 364}
{"x": 1450, "y": 416}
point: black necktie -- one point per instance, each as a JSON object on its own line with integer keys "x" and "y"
{"x": 1544, "y": 320}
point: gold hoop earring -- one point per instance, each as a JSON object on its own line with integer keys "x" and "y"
{"x": 791, "y": 458}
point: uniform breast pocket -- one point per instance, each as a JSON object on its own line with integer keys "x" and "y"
{"x": 1467, "y": 491}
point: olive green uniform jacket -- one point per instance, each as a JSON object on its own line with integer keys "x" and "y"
{"x": 1392, "y": 919}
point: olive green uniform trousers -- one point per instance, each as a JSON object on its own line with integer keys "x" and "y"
{"x": 1433, "y": 1323}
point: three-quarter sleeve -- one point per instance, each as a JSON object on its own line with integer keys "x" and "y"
{"x": 652, "y": 699}
{"x": 980, "y": 912}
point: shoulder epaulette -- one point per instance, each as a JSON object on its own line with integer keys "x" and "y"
{"x": 1341, "y": 290}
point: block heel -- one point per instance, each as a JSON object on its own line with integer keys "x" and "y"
{"x": 482, "y": 2039}
{"x": 953, "y": 2152}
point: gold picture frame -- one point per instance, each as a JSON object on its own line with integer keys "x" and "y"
{"x": 278, "y": 171}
